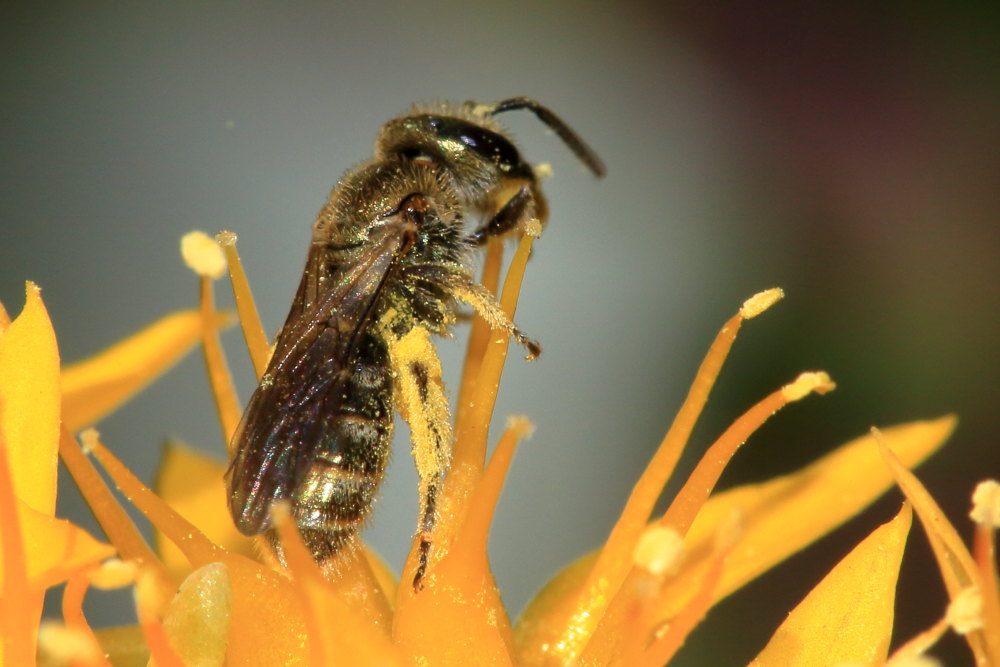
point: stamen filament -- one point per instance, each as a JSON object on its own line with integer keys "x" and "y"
{"x": 986, "y": 515}
{"x": 615, "y": 558}
{"x": 197, "y": 548}
{"x": 479, "y": 336}
{"x": 149, "y": 604}
{"x": 306, "y": 575}
{"x": 984, "y": 551}
{"x": 223, "y": 391}
{"x": 325, "y": 607}
{"x": 246, "y": 307}
{"x": 471, "y": 544}
{"x": 958, "y": 568}
{"x": 919, "y": 644}
{"x": 471, "y": 440}
{"x": 115, "y": 523}
{"x": 72, "y": 611}
{"x": 699, "y": 485}
{"x": 663, "y": 648}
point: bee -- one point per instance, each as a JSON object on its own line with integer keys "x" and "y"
{"x": 388, "y": 263}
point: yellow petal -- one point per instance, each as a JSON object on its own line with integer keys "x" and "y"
{"x": 788, "y": 513}
{"x": 192, "y": 484}
{"x": 55, "y": 548}
{"x": 781, "y": 516}
{"x": 197, "y": 621}
{"x": 847, "y": 618}
{"x": 96, "y": 386}
{"x": 29, "y": 403}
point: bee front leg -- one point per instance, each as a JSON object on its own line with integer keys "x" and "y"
{"x": 525, "y": 204}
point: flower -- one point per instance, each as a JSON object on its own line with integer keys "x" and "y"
{"x": 205, "y": 596}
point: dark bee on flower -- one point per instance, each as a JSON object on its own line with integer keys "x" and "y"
{"x": 390, "y": 258}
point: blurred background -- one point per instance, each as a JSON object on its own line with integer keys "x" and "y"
{"x": 849, "y": 153}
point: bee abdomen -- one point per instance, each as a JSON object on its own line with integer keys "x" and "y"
{"x": 334, "y": 499}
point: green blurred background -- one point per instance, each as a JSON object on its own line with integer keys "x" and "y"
{"x": 848, "y": 153}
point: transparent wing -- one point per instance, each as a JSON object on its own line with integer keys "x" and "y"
{"x": 296, "y": 404}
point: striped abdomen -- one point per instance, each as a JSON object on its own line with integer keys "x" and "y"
{"x": 335, "y": 496}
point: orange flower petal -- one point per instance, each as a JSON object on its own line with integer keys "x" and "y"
{"x": 958, "y": 568}
{"x": 788, "y": 513}
{"x": 781, "y": 516}
{"x": 55, "y": 548}
{"x": 847, "y": 618}
{"x": 96, "y": 386}
{"x": 362, "y": 632}
{"x": 29, "y": 402}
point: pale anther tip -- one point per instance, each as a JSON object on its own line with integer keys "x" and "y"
{"x": 61, "y": 644}
{"x": 807, "y": 383}
{"x": 659, "y": 550}
{"x": 965, "y": 612}
{"x": 226, "y": 238}
{"x": 533, "y": 228}
{"x": 543, "y": 170}
{"x": 760, "y": 302}
{"x": 113, "y": 573}
{"x": 281, "y": 511}
{"x": 89, "y": 437}
{"x": 203, "y": 255}
{"x": 521, "y": 425}
{"x": 986, "y": 504}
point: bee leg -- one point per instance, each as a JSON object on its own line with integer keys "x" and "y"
{"x": 514, "y": 211}
{"x": 486, "y": 306}
{"x": 421, "y": 400}
{"x": 427, "y": 521}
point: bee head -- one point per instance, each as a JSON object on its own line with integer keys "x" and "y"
{"x": 467, "y": 144}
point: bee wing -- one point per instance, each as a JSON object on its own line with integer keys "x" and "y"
{"x": 296, "y": 404}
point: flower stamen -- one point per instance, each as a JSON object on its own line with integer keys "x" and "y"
{"x": 470, "y": 440}
{"x": 149, "y": 602}
{"x": 958, "y": 568}
{"x": 479, "y": 337}
{"x": 986, "y": 513}
{"x": 699, "y": 485}
{"x": 205, "y": 258}
{"x": 614, "y": 560}
{"x": 76, "y": 621}
{"x": 246, "y": 307}
{"x": 113, "y": 520}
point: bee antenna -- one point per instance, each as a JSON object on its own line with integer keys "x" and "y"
{"x": 569, "y": 137}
